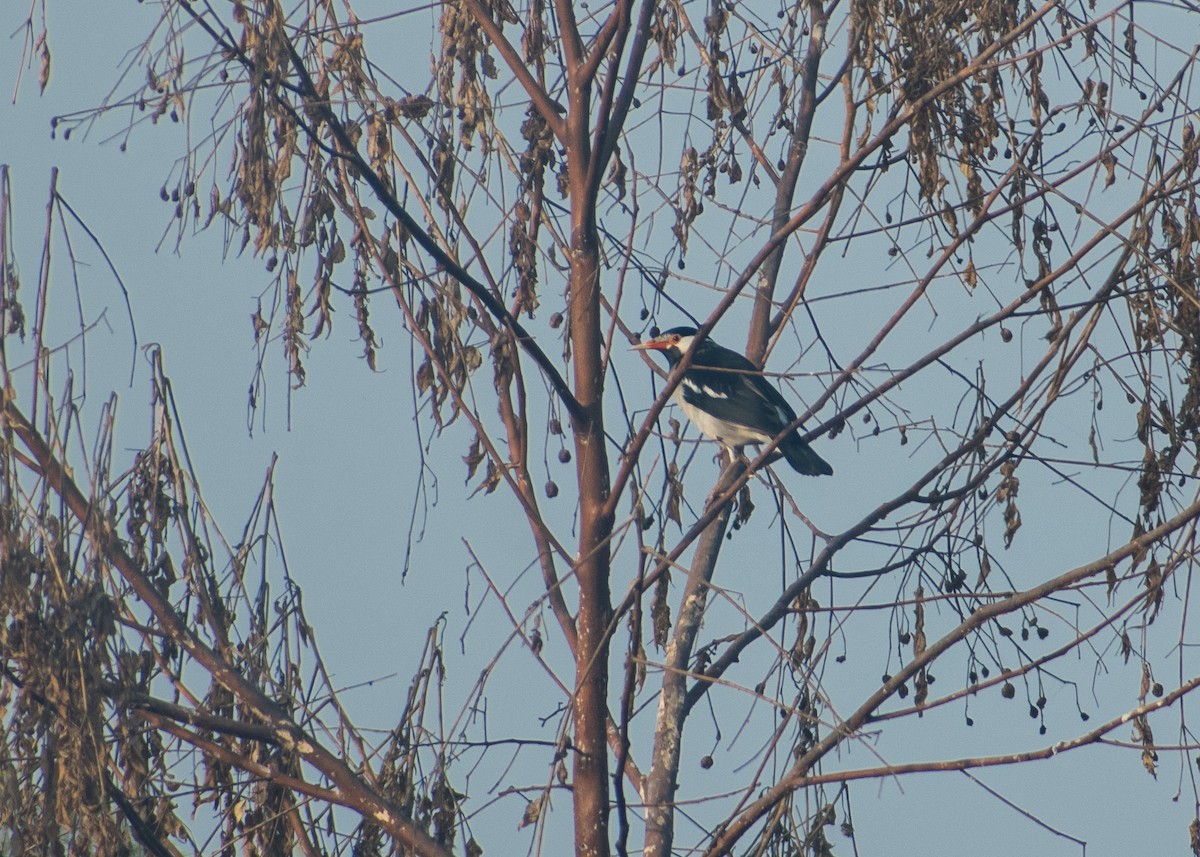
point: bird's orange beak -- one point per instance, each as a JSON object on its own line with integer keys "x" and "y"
{"x": 651, "y": 345}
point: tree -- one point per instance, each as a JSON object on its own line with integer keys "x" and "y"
{"x": 961, "y": 229}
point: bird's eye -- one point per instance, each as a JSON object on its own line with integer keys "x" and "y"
{"x": 675, "y": 339}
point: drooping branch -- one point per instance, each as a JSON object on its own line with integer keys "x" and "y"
{"x": 349, "y": 788}
{"x": 346, "y": 149}
{"x": 550, "y": 111}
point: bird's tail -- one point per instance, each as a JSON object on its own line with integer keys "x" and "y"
{"x": 802, "y": 457}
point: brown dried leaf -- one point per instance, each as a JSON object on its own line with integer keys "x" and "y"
{"x": 1143, "y": 734}
{"x": 985, "y": 568}
{"x": 414, "y": 106}
{"x": 532, "y": 813}
{"x": 474, "y": 457}
{"x": 44, "y": 63}
{"x": 491, "y": 479}
{"x": 424, "y": 377}
{"x": 674, "y": 494}
{"x": 1109, "y": 160}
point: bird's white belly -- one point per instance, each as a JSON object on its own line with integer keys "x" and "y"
{"x": 729, "y": 434}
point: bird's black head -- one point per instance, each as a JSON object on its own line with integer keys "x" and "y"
{"x": 673, "y": 343}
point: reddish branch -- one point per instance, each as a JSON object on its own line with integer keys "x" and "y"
{"x": 595, "y": 531}
{"x": 586, "y": 163}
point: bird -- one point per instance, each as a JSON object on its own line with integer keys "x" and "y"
{"x": 727, "y": 398}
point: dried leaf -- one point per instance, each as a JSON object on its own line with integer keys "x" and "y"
{"x": 674, "y": 494}
{"x": 424, "y": 377}
{"x": 532, "y": 813}
{"x": 414, "y": 106}
{"x": 985, "y": 568}
{"x": 474, "y": 456}
{"x": 44, "y": 63}
{"x": 1109, "y": 160}
{"x": 1143, "y": 734}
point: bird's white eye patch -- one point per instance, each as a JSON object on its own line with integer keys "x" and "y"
{"x": 703, "y": 390}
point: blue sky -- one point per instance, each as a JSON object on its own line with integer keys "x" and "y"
{"x": 348, "y": 479}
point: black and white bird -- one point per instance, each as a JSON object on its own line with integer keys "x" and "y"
{"x": 729, "y": 400}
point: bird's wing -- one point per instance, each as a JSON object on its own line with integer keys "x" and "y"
{"x": 729, "y": 387}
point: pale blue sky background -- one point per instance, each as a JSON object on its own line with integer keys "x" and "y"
{"x": 348, "y": 471}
